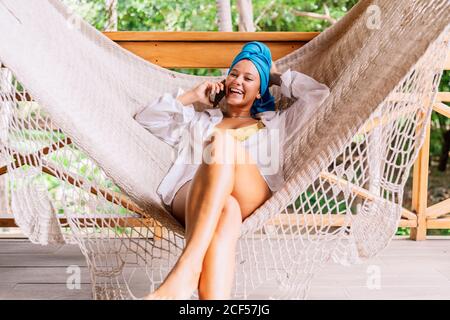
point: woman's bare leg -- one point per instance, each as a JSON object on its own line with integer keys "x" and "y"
{"x": 217, "y": 274}
{"x": 211, "y": 186}
{"x": 250, "y": 191}
{"x": 216, "y": 278}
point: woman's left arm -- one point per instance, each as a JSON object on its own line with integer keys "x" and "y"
{"x": 309, "y": 95}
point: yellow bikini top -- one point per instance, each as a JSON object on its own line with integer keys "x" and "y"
{"x": 244, "y": 133}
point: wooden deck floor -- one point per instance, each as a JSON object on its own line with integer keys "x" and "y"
{"x": 407, "y": 269}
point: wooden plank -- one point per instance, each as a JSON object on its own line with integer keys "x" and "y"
{"x": 25, "y": 247}
{"x": 359, "y": 191}
{"x": 211, "y": 36}
{"x": 199, "y": 55}
{"x": 447, "y": 63}
{"x": 442, "y": 109}
{"x": 42, "y": 260}
{"x": 295, "y": 219}
{"x": 420, "y": 186}
{"x": 25, "y": 96}
{"x": 387, "y": 118}
{"x": 71, "y": 178}
{"x": 440, "y": 223}
{"x": 5, "y": 290}
{"x": 398, "y": 97}
{"x": 48, "y": 291}
{"x": 9, "y": 222}
{"x": 443, "y": 96}
{"x": 409, "y": 215}
{"x": 438, "y": 209}
{"x": 111, "y": 196}
{"x": 142, "y": 226}
{"x": 333, "y": 220}
{"x": 216, "y": 49}
{"x": 39, "y": 275}
{"x": 137, "y": 222}
{"x": 31, "y": 158}
{"x": 405, "y": 223}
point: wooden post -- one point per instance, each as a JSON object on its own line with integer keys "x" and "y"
{"x": 420, "y": 187}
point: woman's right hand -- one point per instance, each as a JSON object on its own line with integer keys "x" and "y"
{"x": 203, "y": 91}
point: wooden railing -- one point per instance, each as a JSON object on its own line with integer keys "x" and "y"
{"x": 217, "y": 49}
{"x": 438, "y": 215}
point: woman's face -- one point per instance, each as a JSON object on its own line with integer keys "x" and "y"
{"x": 244, "y": 78}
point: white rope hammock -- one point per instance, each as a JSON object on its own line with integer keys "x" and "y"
{"x": 345, "y": 170}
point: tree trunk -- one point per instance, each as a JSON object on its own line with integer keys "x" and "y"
{"x": 5, "y": 111}
{"x": 224, "y": 20}
{"x": 224, "y": 15}
{"x": 111, "y": 8}
{"x": 245, "y": 9}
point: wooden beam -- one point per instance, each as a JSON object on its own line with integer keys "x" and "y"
{"x": 361, "y": 192}
{"x": 405, "y": 223}
{"x": 333, "y": 220}
{"x": 442, "y": 109}
{"x": 439, "y": 209}
{"x": 204, "y": 49}
{"x": 111, "y": 196}
{"x": 441, "y": 223}
{"x": 30, "y": 159}
{"x": 447, "y": 63}
{"x": 282, "y": 219}
{"x": 196, "y": 55}
{"x": 443, "y": 96}
{"x": 385, "y": 119}
{"x": 420, "y": 186}
{"x": 18, "y": 96}
{"x": 294, "y": 219}
{"x": 9, "y": 222}
{"x": 208, "y": 36}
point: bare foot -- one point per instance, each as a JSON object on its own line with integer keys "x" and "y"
{"x": 181, "y": 282}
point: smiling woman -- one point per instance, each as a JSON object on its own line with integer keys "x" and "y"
{"x": 254, "y": 64}
{"x": 241, "y": 150}
{"x": 243, "y": 86}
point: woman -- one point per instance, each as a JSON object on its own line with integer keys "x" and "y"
{"x": 239, "y": 167}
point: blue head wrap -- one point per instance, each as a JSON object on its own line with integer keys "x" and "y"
{"x": 260, "y": 55}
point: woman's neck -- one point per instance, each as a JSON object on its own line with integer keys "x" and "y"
{"x": 229, "y": 113}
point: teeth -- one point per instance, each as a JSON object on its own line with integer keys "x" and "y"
{"x": 235, "y": 91}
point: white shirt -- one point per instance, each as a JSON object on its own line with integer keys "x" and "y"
{"x": 186, "y": 129}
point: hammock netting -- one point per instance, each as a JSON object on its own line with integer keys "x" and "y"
{"x": 81, "y": 170}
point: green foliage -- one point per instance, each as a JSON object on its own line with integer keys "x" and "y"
{"x": 201, "y": 15}
{"x": 440, "y": 123}
{"x": 281, "y": 15}
{"x": 175, "y": 15}
{"x": 93, "y": 11}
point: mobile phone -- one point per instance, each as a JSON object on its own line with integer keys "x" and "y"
{"x": 219, "y": 96}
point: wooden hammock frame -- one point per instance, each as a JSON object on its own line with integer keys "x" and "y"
{"x": 163, "y": 48}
